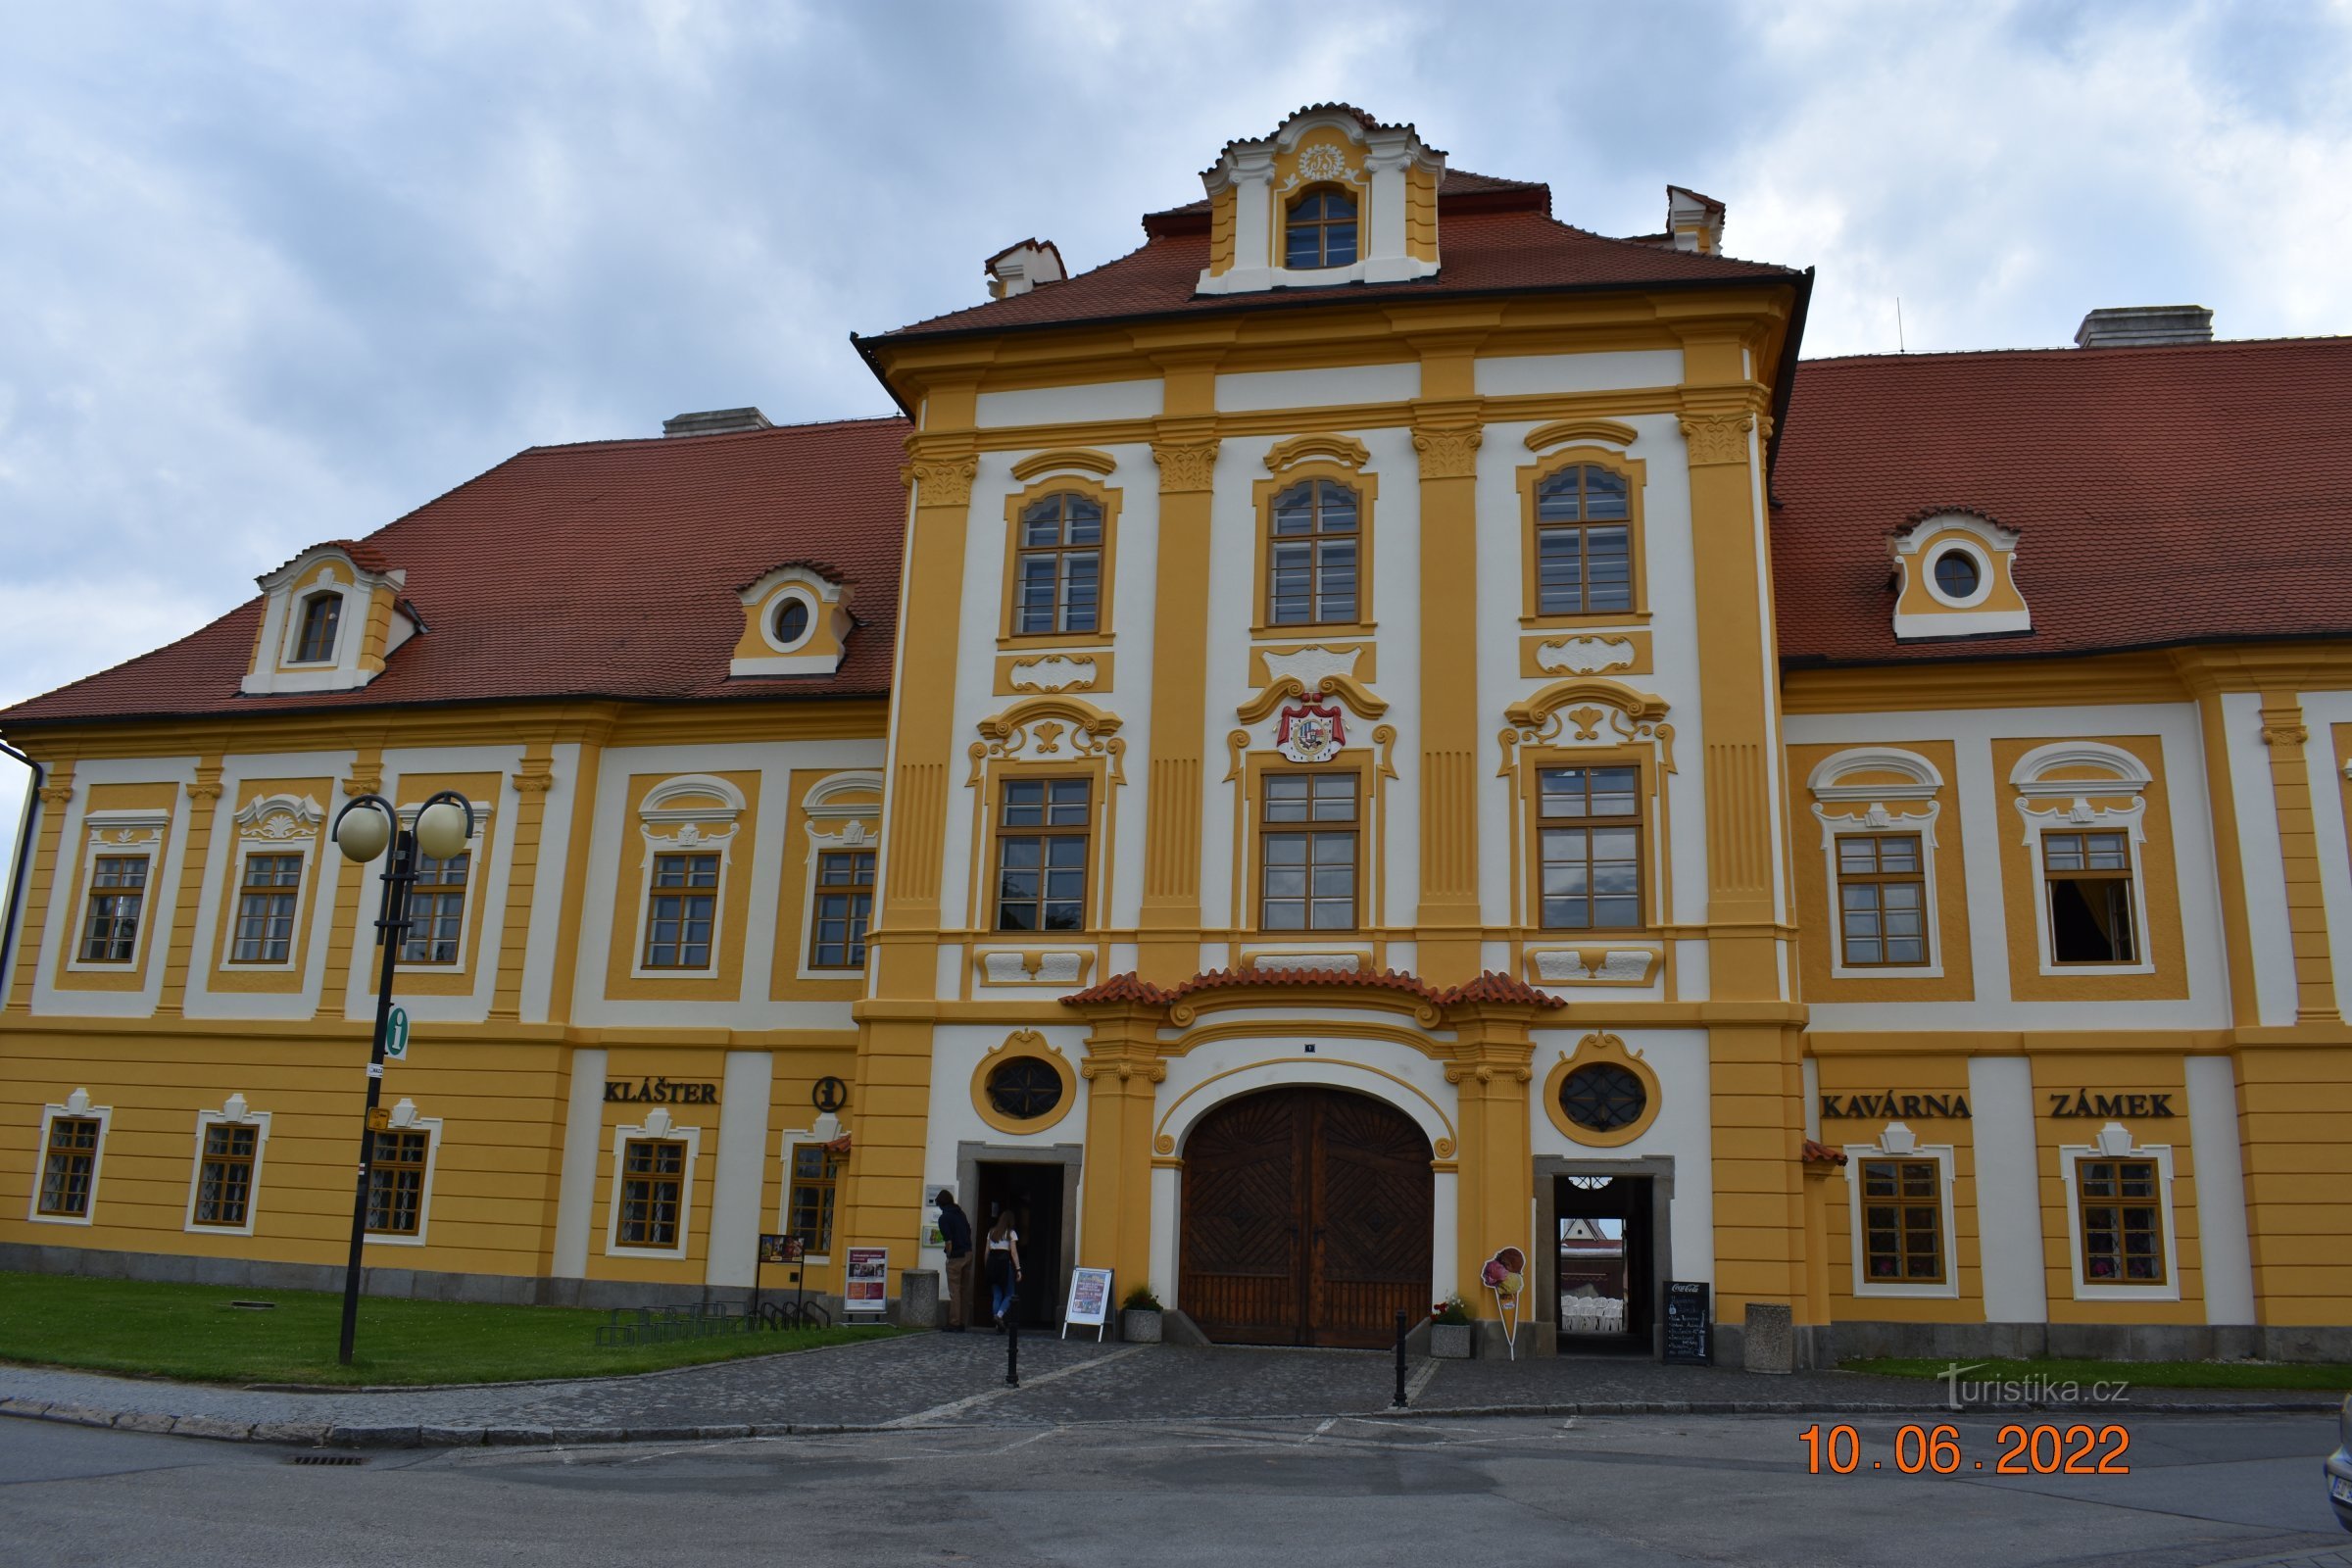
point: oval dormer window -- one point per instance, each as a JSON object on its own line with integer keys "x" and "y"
{"x": 1321, "y": 230}
{"x": 319, "y": 615}
{"x": 1957, "y": 575}
{"x": 792, "y": 620}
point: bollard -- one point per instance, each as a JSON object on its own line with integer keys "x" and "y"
{"x": 1401, "y": 1333}
{"x": 1013, "y": 1347}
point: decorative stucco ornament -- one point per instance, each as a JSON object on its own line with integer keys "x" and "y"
{"x": 1311, "y": 733}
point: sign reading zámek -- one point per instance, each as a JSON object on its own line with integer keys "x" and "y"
{"x": 1909, "y": 1108}
{"x": 2082, "y": 1103}
{"x": 1090, "y": 1296}
{"x": 775, "y": 1248}
{"x": 660, "y": 1092}
{"x": 867, "y": 1288}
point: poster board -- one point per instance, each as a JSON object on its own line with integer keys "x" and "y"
{"x": 1687, "y": 1322}
{"x": 781, "y": 1249}
{"x": 1089, "y": 1301}
{"x": 867, "y": 1286}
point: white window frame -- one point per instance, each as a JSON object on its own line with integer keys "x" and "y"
{"x": 1977, "y": 554}
{"x": 1896, "y": 1141}
{"x": 859, "y": 828}
{"x": 477, "y": 872}
{"x": 235, "y": 1112}
{"x": 1919, "y": 813}
{"x": 2067, "y": 810}
{"x": 119, "y": 833}
{"x": 658, "y": 1127}
{"x": 406, "y": 1120}
{"x": 259, "y": 833}
{"x": 2115, "y": 1142}
{"x": 76, "y": 1106}
{"x": 686, "y": 830}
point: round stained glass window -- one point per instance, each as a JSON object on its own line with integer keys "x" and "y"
{"x": 792, "y": 620}
{"x": 1024, "y": 1088}
{"x": 1603, "y": 1097}
{"x": 1956, "y": 574}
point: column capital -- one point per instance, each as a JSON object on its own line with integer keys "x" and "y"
{"x": 1717, "y": 438}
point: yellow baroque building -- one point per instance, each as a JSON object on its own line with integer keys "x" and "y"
{"x": 1377, "y": 731}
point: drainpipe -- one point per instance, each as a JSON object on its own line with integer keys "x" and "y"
{"x": 22, "y": 869}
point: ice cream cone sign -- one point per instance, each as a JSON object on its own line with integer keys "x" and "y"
{"x": 1505, "y": 1274}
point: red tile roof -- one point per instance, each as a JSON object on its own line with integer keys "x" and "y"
{"x": 2165, "y": 496}
{"x": 1495, "y": 236}
{"x": 1489, "y": 987}
{"x": 602, "y": 569}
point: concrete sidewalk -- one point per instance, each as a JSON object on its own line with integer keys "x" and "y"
{"x": 931, "y": 1380}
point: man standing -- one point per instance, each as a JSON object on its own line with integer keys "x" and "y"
{"x": 956, "y": 1231}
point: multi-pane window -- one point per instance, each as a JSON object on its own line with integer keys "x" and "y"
{"x": 265, "y": 903}
{"x": 2122, "y": 1222}
{"x": 1308, "y": 852}
{"x": 653, "y": 1189}
{"x": 809, "y": 1211}
{"x": 1058, "y": 566}
{"x": 1041, "y": 829}
{"x": 2088, "y": 876}
{"x": 1312, "y": 552}
{"x": 110, "y": 931}
{"x": 224, "y": 1175}
{"x": 1584, "y": 542}
{"x": 1903, "y": 1221}
{"x": 845, "y": 903}
{"x": 437, "y": 909}
{"x": 1321, "y": 230}
{"x": 1881, "y": 900}
{"x": 316, "y": 643}
{"x": 1590, "y": 846}
{"x": 396, "y": 1183}
{"x": 69, "y": 1167}
{"x": 681, "y": 912}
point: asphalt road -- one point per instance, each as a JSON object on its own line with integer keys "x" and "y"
{"x": 1628, "y": 1491}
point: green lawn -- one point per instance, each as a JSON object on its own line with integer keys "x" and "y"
{"x": 2326, "y": 1377}
{"x": 190, "y": 1331}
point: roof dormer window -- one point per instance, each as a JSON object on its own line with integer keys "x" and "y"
{"x": 1955, "y": 575}
{"x": 795, "y": 622}
{"x": 1321, "y": 230}
{"x": 321, "y": 612}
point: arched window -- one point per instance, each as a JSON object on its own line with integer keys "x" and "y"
{"x": 1584, "y": 542}
{"x": 1060, "y": 564}
{"x": 319, "y": 615}
{"x": 1321, "y": 230}
{"x": 1312, "y": 552}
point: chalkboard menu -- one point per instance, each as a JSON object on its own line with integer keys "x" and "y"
{"x": 1687, "y": 1322}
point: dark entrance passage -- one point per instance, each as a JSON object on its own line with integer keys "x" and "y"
{"x": 1034, "y": 1194}
{"x": 1308, "y": 1219}
{"x": 1606, "y": 1262}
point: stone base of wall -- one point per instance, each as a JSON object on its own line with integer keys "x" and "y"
{"x": 2092, "y": 1341}
{"x": 409, "y": 1284}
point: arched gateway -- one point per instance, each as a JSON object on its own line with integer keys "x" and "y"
{"x": 1308, "y": 1219}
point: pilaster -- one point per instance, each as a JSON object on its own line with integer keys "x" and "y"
{"x": 348, "y": 877}
{"x": 1492, "y": 1066}
{"x": 179, "y": 951}
{"x": 2285, "y": 734}
{"x": 529, "y": 784}
{"x": 1123, "y": 1070}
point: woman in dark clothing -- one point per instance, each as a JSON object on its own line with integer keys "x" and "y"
{"x": 1003, "y": 1264}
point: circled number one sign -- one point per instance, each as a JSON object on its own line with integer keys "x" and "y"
{"x": 396, "y": 1035}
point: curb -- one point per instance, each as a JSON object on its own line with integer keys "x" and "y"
{"x": 324, "y": 1434}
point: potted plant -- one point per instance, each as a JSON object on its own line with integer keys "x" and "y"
{"x": 1449, "y": 1330}
{"x": 1139, "y": 1316}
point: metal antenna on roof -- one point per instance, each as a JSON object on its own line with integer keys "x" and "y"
{"x": 1898, "y": 326}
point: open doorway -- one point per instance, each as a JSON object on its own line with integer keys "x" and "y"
{"x": 1606, "y": 1262}
{"x": 1034, "y": 1194}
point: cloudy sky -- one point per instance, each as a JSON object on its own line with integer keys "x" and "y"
{"x": 272, "y": 274}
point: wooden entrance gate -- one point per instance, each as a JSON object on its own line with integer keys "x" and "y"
{"x": 1308, "y": 1219}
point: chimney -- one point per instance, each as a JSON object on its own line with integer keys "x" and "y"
{"x": 1018, "y": 269}
{"x": 717, "y": 422}
{"x": 2140, "y": 327}
{"x": 1696, "y": 221}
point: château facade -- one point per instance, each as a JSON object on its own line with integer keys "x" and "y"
{"x": 1376, "y": 728}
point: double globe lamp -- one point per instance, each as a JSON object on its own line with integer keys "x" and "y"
{"x": 362, "y": 831}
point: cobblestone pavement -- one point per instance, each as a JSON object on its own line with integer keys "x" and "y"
{"x": 935, "y": 1380}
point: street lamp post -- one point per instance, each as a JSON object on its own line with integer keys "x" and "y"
{"x": 362, "y": 829}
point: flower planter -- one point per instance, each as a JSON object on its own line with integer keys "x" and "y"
{"x": 1450, "y": 1342}
{"x": 1138, "y": 1325}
